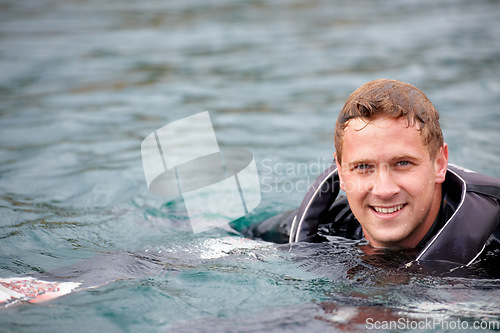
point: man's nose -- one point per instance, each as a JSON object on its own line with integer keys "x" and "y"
{"x": 384, "y": 185}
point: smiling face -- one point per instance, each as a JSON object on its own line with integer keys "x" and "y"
{"x": 392, "y": 184}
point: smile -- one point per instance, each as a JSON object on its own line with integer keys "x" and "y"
{"x": 388, "y": 210}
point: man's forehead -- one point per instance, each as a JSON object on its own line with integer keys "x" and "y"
{"x": 359, "y": 123}
{"x": 383, "y": 138}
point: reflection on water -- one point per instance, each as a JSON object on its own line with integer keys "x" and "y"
{"x": 84, "y": 82}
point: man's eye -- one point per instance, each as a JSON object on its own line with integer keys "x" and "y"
{"x": 403, "y": 163}
{"x": 363, "y": 167}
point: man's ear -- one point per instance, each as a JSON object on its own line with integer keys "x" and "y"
{"x": 441, "y": 164}
{"x": 339, "y": 171}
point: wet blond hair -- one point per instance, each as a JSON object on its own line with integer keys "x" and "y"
{"x": 394, "y": 99}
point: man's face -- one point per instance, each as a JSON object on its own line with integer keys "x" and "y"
{"x": 392, "y": 185}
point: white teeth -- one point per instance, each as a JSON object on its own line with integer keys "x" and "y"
{"x": 387, "y": 210}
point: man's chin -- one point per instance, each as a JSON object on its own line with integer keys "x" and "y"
{"x": 391, "y": 241}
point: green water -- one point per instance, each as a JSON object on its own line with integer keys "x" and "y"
{"x": 84, "y": 82}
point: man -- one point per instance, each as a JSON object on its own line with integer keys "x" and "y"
{"x": 392, "y": 163}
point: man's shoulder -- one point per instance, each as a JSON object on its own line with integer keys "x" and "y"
{"x": 474, "y": 219}
{"x": 471, "y": 181}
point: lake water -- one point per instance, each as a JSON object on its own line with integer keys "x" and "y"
{"x": 84, "y": 82}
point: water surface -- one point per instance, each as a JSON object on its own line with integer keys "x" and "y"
{"x": 83, "y": 82}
